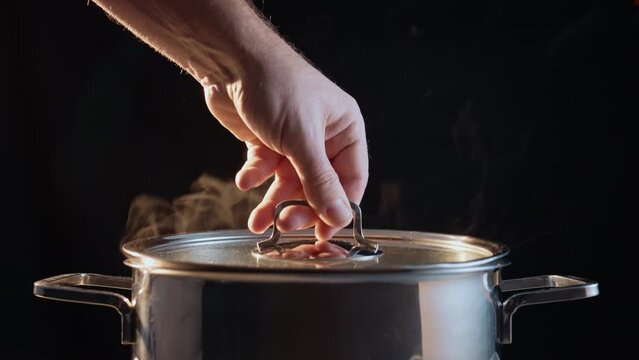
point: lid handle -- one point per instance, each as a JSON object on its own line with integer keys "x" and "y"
{"x": 363, "y": 245}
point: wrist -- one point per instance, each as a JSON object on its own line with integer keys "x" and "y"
{"x": 249, "y": 52}
{"x": 234, "y": 46}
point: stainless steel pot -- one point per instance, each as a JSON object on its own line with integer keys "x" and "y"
{"x": 398, "y": 295}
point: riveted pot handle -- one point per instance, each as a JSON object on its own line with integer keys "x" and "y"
{"x": 549, "y": 289}
{"x": 69, "y": 287}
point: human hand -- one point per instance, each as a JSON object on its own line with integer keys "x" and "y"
{"x": 298, "y": 125}
{"x": 301, "y": 128}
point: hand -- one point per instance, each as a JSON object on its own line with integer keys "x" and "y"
{"x": 304, "y": 130}
{"x": 298, "y": 126}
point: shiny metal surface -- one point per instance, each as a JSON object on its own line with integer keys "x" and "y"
{"x": 444, "y": 318}
{"x": 430, "y": 296}
{"x": 363, "y": 246}
{"x": 549, "y": 289}
{"x": 68, "y": 287}
{"x": 406, "y": 253}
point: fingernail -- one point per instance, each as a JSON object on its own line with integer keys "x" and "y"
{"x": 339, "y": 213}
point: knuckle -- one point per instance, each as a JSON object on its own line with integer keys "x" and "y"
{"x": 360, "y": 180}
{"x": 357, "y": 180}
{"x": 354, "y": 112}
{"x": 352, "y": 104}
{"x": 358, "y": 129}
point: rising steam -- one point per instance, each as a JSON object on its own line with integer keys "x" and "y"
{"x": 212, "y": 204}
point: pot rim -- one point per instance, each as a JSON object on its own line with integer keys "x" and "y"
{"x": 136, "y": 257}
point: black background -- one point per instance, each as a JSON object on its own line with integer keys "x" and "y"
{"x": 508, "y": 120}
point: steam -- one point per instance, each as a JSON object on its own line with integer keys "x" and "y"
{"x": 212, "y": 204}
{"x": 468, "y": 142}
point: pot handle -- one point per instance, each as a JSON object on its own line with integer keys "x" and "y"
{"x": 551, "y": 288}
{"x": 69, "y": 287}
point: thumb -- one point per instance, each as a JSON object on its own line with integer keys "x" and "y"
{"x": 321, "y": 185}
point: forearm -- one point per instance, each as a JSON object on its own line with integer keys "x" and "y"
{"x": 214, "y": 41}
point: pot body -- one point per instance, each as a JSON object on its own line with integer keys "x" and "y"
{"x": 448, "y": 317}
{"x": 207, "y": 297}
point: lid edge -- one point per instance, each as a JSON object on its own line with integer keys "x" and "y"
{"x": 135, "y": 258}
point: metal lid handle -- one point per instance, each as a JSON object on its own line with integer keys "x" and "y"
{"x": 358, "y": 232}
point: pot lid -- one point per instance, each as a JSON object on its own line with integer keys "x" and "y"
{"x": 236, "y": 249}
{"x": 367, "y": 251}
